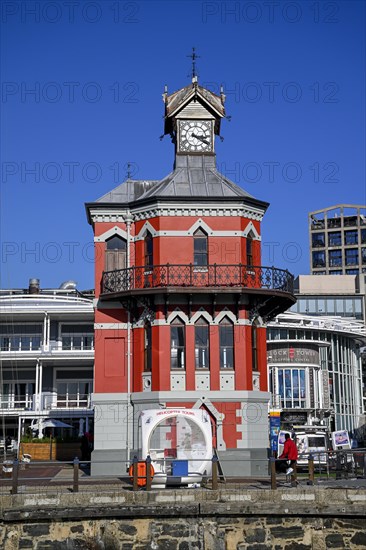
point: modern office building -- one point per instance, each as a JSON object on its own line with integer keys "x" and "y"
{"x": 46, "y": 358}
{"x": 337, "y": 237}
{"x": 316, "y": 371}
{"x": 182, "y": 299}
{"x": 342, "y": 297}
{"x": 327, "y": 366}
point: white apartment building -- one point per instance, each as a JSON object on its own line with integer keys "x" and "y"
{"x": 46, "y": 358}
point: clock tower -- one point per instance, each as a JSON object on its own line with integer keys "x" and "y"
{"x": 182, "y": 300}
{"x": 192, "y": 118}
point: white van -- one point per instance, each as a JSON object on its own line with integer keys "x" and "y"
{"x": 307, "y": 442}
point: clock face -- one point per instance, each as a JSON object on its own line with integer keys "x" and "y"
{"x": 195, "y": 136}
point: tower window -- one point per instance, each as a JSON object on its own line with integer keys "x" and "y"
{"x": 201, "y": 344}
{"x": 115, "y": 253}
{"x": 249, "y": 250}
{"x": 177, "y": 344}
{"x": 149, "y": 259}
{"x": 200, "y": 248}
{"x": 226, "y": 336}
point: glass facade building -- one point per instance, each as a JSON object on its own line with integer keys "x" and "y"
{"x": 315, "y": 370}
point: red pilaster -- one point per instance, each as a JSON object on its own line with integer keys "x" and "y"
{"x": 242, "y": 369}
{"x": 249, "y": 355}
{"x": 190, "y": 360}
{"x": 138, "y": 358}
{"x": 262, "y": 358}
{"x": 214, "y": 358}
{"x": 160, "y": 358}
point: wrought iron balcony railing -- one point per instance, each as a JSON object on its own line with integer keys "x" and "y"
{"x": 170, "y": 275}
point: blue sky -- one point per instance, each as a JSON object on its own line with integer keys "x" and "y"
{"x": 294, "y": 74}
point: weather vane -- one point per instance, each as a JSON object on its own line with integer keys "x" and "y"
{"x": 194, "y": 56}
{"x": 128, "y": 171}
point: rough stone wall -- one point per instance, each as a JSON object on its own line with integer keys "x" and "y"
{"x": 185, "y": 519}
{"x": 227, "y": 533}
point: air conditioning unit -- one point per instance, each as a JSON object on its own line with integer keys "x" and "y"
{"x": 48, "y": 400}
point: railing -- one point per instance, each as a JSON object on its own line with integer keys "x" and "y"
{"x": 216, "y": 275}
{"x": 21, "y": 402}
{"x": 74, "y": 401}
{"x": 40, "y": 476}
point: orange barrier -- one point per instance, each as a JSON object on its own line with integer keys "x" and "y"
{"x": 141, "y": 473}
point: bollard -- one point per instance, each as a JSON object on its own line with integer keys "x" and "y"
{"x": 215, "y": 479}
{"x": 14, "y": 489}
{"x": 338, "y": 465}
{"x": 311, "y": 470}
{"x": 273, "y": 473}
{"x": 135, "y": 486}
{"x": 75, "y": 487}
{"x": 294, "y": 475}
{"x": 148, "y": 473}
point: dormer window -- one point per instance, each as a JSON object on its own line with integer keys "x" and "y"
{"x": 200, "y": 257}
{"x": 115, "y": 253}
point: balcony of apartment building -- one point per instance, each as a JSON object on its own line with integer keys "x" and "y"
{"x": 23, "y": 342}
{"x": 73, "y": 342}
{"x": 69, "y": 395}
{"x": 29, "y": 357}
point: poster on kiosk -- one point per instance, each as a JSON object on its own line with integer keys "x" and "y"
{"x": 179, "y": 442}
{"x": 341, "y": 440}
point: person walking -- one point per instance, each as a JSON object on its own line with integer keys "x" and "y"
{"x": 289, "y": 453}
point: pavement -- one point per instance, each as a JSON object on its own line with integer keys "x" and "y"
{"x": 59, "y": 477}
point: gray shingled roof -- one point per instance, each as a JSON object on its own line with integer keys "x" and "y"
{"x": 193, "y": 176}
{"x": 179, "y": 98}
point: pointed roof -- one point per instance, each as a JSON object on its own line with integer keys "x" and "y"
{"x": 175, "y": 102}
{"x": 194, "y": 176}
{"x": 127, "y": 192}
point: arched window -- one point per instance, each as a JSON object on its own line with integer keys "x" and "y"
{"x": 226, "y": 334}
{"x": 250, "y": 249}
{"x": 200, "y": 256}
{"x": 147, "y": 346}
{"x": 149, "y": 249}
{"x": 201, "y": 344}
{"x": 115, "y": 253}
{"x": 177, "y": 344}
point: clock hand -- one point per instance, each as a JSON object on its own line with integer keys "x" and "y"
{"x": 201, "y": 139}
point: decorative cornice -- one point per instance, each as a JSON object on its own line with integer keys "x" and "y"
{"x": 113, "y": 215}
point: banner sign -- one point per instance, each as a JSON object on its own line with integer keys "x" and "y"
{"x": 274, "y": 429}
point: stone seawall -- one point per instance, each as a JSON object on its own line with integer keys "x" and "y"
{"x": 186, "y": 520}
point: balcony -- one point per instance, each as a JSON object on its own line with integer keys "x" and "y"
{"x": 195, "y": 278}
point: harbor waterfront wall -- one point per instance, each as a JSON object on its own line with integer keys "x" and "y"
{"x": 228, "y": 519}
